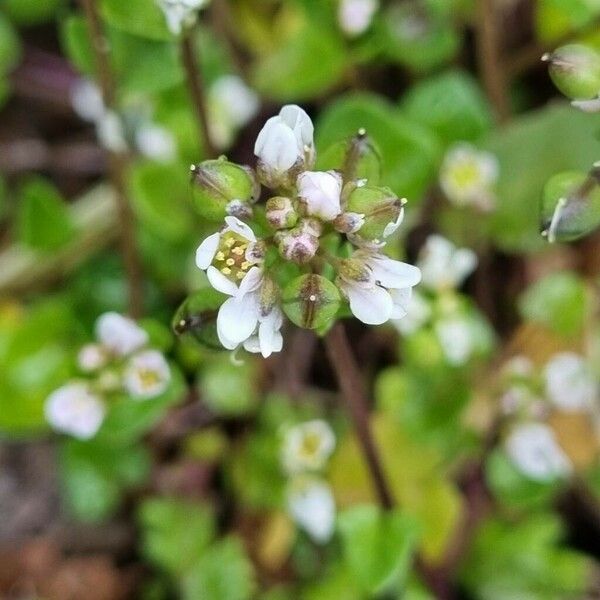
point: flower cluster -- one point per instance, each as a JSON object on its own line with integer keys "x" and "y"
{"x": 459, "y": 330}
{"x": 468, "y": 177}
{"x": 305, "y": 452}
{"x": 119, "y": 362}
{"x": 539, "y": 405}
{"x": 304, "y": 208}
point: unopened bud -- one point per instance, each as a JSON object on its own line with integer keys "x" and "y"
{"x": 218, "y": 183}
{"x": 349, "y": 222}
{"x": 575, "y": 70}
{"x": 239, "y": 209}
{"x": 311, "y": 301}
{"x": 299, "y": 244}
{"x": 280, "y": 213}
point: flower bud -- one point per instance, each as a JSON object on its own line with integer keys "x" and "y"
{"x": 349, "y": 222}
{"x": 311, "y": 301}
{"x": 381, "y": 208}
{"x": 299, "y": 244}
{"x": 280, "y": 212}
{"x": 218, "y": 183}
{"x": 575, "y": 70}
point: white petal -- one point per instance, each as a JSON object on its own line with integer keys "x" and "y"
{"x": 278, "y": 148}
{"x": 312, "y": 506}
{"x": 321, "y": 192}
{"x": 270, "y": 340}
{"x": 401, "y": 299}
{"x": 372, "y": 306}
{"x": 236, "y": 321}
{"x": 590, "y": 106}
{"x": 251, "y": 281}
{"x": 239, "y": 227}
{"x": 120, "y": 334}
{"x": 207, "y": 250}
{"x": 393, "y": 226}
{"x": 301, "y": 124}
{"x": 252, "y": 344}
{"x": 393, "y": 273}
{"x": 220, "y": 282}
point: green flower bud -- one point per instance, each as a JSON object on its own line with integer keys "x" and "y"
{"x": 311, "y": 301}
{"x": 280, "y": 212}
{"x": 575, "y": 70}
{"x": 571, "y": 205}
{"x": 381, "y": 208}
{"x": 219, "y": 185}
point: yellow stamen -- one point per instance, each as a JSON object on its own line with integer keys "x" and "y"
{"x": 239, "y": 250}
{"x": 245, "y": 265}
{"x": 230, "y": 242}
{"x": 240, "y": 274}
{"x": 226, "y": 271}
{"x": 220, "y": 256}
{"x": 230, "y": 262}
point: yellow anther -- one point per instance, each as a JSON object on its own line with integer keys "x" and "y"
{"x": 240, "y": 274}
{"x": 229, "y": 242}
{"x": 230, "y": 262}
{"x": 220, "y": 255}
{"x": 239, "y": 250}
{"x": 226, "y": 271}
{"x": 245, "y": 265}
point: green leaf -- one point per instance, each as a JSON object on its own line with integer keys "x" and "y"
{"x": 451, "y": 104}
{"x": 138, "y": 17}
{"x": 31, "y": 12}
{"x": 175, "y": 533}
{"x": 531, "y": 150}
{"x": 377, "y": 547}
{"x": 409, "y": 152}
{"x": 75, "y": 40}
{"x": 10, "y": 46}
{"x": 554, "y": 19}
{"x": 559, "y": 301}
{"x": 223, "y": 573}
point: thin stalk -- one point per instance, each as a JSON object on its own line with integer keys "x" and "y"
{"x": 197, "y": 90}
{"x": 347, "y": 373}
{"x": 117, "y": 162}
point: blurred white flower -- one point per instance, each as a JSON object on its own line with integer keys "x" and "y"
{"x": 443, "y": 265}
{"x": 155, "y": 142}
{"x": 378, "y": 288}
{"x": 355, "y": 16}
{"x": 320, "y": 191}
{"x": 456, "y": 337}
{"x": 180, "y": 13}
{"x": 285, "y": 139}
{"x": 570, "y": 384}
{"x": 119, "y": 334}
{"x": 232, "y": 104}
{"x": 533, "y": 449}
{"x": 307, "y": 446}
{"x": 147, "y": 374}
{"x": 518, "y": 366}
{"x": 111, "y": 133}
{"x": 418, "y": 312}
{"x": 589, "y": 106}
{"x": 233, "y": 263}
{"x": 91, "y": 357}
{"x": 86, "y": 100}
{"x": 75, "y": 410}
{"x": 468, "y": 176}
{"x": 312, "y": 506}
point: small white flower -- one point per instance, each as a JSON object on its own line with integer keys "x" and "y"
{"x": 418, "y": 312}
{"x": 320, "y": 191}
{"x": 286, "y": 139}
{"x": 180, "y": 13}
{"x": 589, "y": 106}
{"x": 312, "y": 506}
{"x": 73, "y": 409}
{"x": 355, "y": 16}
{"x": 533, "y": 449}
{"x": 86, "y": 100}
{"x": 468, "y": 175}
{"x": 377, "y": 287}
{"x": 570, "y": 385}
{"x": 111, "y": 133}
{"x": 91, "y": 357}
{"x": 518, "y": 366}
{"x": 307, "y": 446}
{"x": 155, "y": 142}
{"x": 119, "y": 334}
{"x": 147, "y": 374}
{"x": 443, "y": 265}
{"x": 233, "y": 263}
{"x": 456, "y": 339}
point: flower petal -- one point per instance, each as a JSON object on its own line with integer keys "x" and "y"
{"x": 251, "y": 281}
{"x": 393, "y": 273}
{"x": 237, "y": 321}
{"x": 207, "y": 250}
{"x": 269, "y": 337}
{"x": 401, "y": 299}
{"x": 239, "y": 227}
{"x": 220, "y": 282}
{"x": 372, "y": 306}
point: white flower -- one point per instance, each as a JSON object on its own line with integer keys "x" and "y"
{"x": 377, "y": 287}
{"x": 307, "y": 446}
{"x": 533, "y": 449}
{"x": 321, "y": 191}
{"x": 418, "y": 312}
{"x": 180, "y": 13}
{"x": 147, "y": 374}
{"x": 285, "y": 139}
{"x": 155, "y": 142}
{"x": 518, "y": 366}
{"x": 570, "y": 385}
{"x": 86, "y": 100}
{"x": 312, "y": 506}
{"x": 456, "y": 338}
{"x": 468, "y": 175}
{"x": 233, "y": 263}
{"x": 119, "y": 334}
{"x": 73, "y": 409}
{"x": 111, "y": 133}
{"x": 589, "y": 106}
{"x": 355, "y": 16}
{"x": 91, "y": 357}
{"x": 443, "y": 265}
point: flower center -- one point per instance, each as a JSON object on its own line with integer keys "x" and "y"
{"x": 467, "y": 175}
{"x": 230, "y": 258}
{"x": 148, "y": 378}
{"x": 311, "y": 444}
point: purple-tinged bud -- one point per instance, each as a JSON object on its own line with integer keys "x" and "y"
{"x": 281, "y": 213}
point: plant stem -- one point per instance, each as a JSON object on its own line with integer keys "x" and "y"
{"x": 348, "y": 375}
{"x": 117, "y": 162}
{"x": 195, "y": 83}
